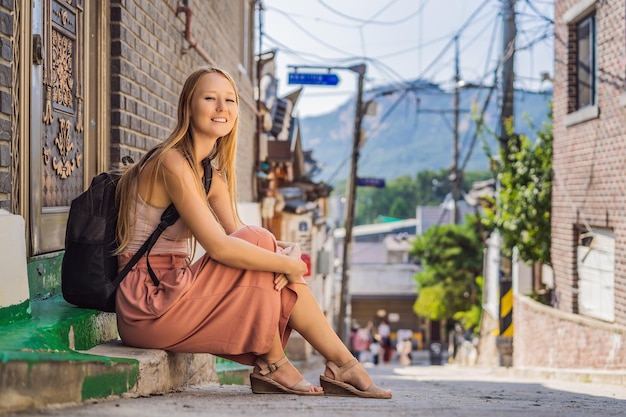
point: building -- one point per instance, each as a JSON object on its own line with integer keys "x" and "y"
{"x": 584, "y": 325}
{"x": 382, "y": 283}
{"x": 293, "y": 206}
{"x": 82, "y": 84}
{"x": 103, "y": 83}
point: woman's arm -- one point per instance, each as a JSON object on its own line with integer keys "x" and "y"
{"x": 193, "y": 209}
{"x": 219, "y": 199}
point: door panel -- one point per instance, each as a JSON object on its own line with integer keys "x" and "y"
{"x": 57, "y": 162}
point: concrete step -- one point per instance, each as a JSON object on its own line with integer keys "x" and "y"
{"x": 64, "y": 354}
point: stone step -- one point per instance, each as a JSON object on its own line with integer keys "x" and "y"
{"x": 64, "y": 354}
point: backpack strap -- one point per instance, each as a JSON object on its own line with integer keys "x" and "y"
{"x": 168, "y": 218}
{"x": 208, "y": 174}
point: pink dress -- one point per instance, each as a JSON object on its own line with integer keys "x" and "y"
{"x": 206, "y": 307}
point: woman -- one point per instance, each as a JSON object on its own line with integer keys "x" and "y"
{"x": 242, "y": 298}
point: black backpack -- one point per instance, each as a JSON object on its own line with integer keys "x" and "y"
{"x": 89, "y": 277}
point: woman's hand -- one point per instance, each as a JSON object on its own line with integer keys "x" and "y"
{"x": 292, "y": 251}
{"x": 282, "y": 244}
{"x": 280, "y": 281}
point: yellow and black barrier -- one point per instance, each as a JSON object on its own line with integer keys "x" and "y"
{"x": 506, "y": 308}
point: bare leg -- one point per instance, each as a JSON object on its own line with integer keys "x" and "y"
{"x": 308, "y": 320}
{"x": 286, "y": 375}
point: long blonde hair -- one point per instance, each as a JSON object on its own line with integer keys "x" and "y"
{"x": 223, "y": 156}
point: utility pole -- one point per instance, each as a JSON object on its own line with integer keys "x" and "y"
{"x": 259, "y": 116}
{"x": 331, "y": 79}
{"x": 454, "y": 218}
{"x": 504, "y": 340}
{"x": 344, "y": 302}
{"x": 508, "y": 69}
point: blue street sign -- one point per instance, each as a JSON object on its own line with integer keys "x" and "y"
{"x": 371, "y": 182}
{"x": 316, "y": 79}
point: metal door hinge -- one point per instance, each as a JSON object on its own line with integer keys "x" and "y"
{"x": 37, "y": 50}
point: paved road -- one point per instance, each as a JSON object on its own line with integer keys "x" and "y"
{"x": 428, "y": 391}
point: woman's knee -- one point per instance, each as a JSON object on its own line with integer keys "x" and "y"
{"x": 258, "y": 236}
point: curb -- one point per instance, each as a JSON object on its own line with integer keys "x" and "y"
{"x": 160, "y": 371}
{"x": 64, "y": 355}
{"x": 574, "y": 375}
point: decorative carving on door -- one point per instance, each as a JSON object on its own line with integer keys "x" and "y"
{"x": 62, "y": 145}
{"x": 62, "y": 77}
{"x": 64, "y": 166}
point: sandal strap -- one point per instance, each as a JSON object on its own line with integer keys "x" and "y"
{"x": 338, "y": 371}
{"x": 268, "y": 368}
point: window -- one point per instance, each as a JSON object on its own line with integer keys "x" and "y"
{"x": 586, "y": 62}
{"x": 596, "y": 277}
{"x": 247, "y": 38}
{"x": 581, "y": 58}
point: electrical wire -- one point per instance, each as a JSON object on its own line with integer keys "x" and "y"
{"x": 382, "y": 9}
{"x": 539, "y": 14}
{"x": 369, "y": 21}
{"x": 305, "y": 31}
{"x": 376, "y": 62}
{"x": 452, "y": 39}
{"x": 373, "y": 132}
{"x": 413, "y": 48}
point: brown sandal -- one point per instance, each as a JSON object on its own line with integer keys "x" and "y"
{"x": 338, "y": 387}
{"x": 262, "y": 384}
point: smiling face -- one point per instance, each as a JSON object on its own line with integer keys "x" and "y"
{"x": 214, "y": 107}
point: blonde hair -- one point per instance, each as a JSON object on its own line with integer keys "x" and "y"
{"x": 222, "y": 156}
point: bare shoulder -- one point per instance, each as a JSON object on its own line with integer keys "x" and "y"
{"x": 174, "y": 161}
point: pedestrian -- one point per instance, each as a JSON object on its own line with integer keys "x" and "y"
{"x": 375, "y": 349}
{"x": 405, "y": 347}
{"x": 385, "y": 340}
{"x": 362, "y": 344}
{"x": 353, "y": 343}
{"x": 272, "y": 203}
{"x": 243, "y": 297}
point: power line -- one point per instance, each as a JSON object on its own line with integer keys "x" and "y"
{"x": 470, "y": 21}
{"x": 312, "y": 36}
{"x": 451, "y": 41}
{"x": 382, "y": 9}
{"x": 369, "y": 21}
{"x": 541, "y": 15}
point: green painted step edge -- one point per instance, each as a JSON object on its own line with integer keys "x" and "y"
{"x": 49, "y": 326}
{"x": 104, "y": 385}
{"x": 15, "y": 313}
{"x": 222, "y": 364}
{"x": 67, "y": 356}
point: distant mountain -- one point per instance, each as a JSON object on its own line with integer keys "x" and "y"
{"x": 412, "y": 131}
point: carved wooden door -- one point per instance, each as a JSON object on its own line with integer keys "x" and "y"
{"x": 57, "y": 140}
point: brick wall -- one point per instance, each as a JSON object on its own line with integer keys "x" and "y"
{"x": 6, "y": 100}
{"x": 588, "y": 191}
{"x": 150, "y": 60}
{"x": 589, "y": 177}
{"x": 565, "y": 340}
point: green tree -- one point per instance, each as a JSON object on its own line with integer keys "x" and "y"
{"x": 402, "y": 195}
{"x": 449, "y": 285}
{"x": 521, "y": 212}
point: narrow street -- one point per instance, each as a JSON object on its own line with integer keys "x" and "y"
{"x": 428, "y": 391}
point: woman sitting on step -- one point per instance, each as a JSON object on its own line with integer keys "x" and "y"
{"x": 243, "y": 297}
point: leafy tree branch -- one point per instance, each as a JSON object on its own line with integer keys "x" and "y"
{"x": 521, "y": 212}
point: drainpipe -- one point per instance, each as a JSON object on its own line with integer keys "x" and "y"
{"x": 188, "y": 36}
{"x": 183, "y": 8}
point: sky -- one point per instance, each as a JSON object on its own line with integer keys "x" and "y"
{"x": 401, "y": 41}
